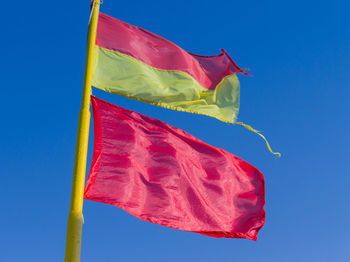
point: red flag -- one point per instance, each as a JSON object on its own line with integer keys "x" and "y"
{"x": 164, "y": 175}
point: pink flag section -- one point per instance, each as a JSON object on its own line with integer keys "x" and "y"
{"x": 164, "y": 175}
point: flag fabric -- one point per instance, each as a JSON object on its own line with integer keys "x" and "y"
{"x": 138, "y": 64}
{"x": 166, "y": 176}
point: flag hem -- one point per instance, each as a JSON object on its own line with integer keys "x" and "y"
{"x": 157, "y": 222}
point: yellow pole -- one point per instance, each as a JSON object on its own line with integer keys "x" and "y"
{"x": 75, "y": 218}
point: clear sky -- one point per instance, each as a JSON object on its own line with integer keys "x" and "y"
{"x": 298, "y": 52}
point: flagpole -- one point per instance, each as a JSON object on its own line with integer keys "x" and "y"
{"x": 75, "y": 218}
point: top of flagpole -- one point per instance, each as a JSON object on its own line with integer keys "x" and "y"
{"x": 92, "y": 5}
{"x": 94, "y": 1}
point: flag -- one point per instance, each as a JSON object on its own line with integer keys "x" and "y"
{"x": 166, "y": 176}
{"x": 138, "y": 64}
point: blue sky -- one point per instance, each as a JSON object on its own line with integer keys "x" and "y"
{"x": 298, "y": 52}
